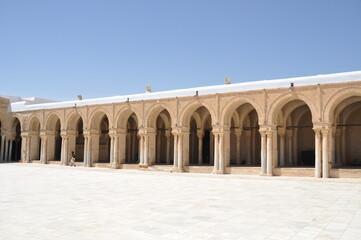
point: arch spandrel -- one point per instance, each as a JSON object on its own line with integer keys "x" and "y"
{"x": 236, "y": 102}
{"x": 51, "y": 119}
{"x": 123, "y": 115}
{"x": 96, "y": 116}
{"x": 277, "y": 105}
{"x": 153, "y": 113}
{"x": 187, "y": 112}
{"x": 32, "y": 120}
{"x": 337, "y": 98}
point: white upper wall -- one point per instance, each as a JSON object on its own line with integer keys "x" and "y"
{"x": 235, "y": 87}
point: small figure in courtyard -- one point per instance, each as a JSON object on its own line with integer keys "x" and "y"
{"x": 72, "y": 160}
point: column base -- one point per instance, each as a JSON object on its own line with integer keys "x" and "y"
{"x": 266, "y": 174}
{"x": 178, "y": 170}
{"x": 143, "y": 165}
{"x": 218, "y": 172}
{"x": 115, "y": 165}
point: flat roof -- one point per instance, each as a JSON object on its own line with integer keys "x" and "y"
{"x": 224, "y": 88}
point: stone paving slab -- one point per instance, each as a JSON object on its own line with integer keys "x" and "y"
{"x": 56, "y": 202}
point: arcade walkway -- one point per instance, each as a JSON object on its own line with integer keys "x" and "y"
{"x": 57, "y": 202}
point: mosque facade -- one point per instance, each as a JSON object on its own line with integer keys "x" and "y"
{"x": 306, "y": 126}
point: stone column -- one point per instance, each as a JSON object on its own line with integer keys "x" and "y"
{"x": 238, "y": 133}
{"x": 333, "y": 146}
{"x": 325, "y": 153}
{"x": 318, "y": 152}
{"x": 211, "y": 147}
{"x": 200, "y": 135}
{"x": 87, "y": 150}
{"x": 281, "y": 134}
{"x": 249, "y": 147}
{"x": 121, "y": 147}
{"x": 343, "y": 146}
{"x": 6, "y": 150}
{"x": 180, "y": 152}
{"x": 43, "y": 149}
{"x": 141, "y": 149}
{"x": 167, "y": 135}
{"x": 295, "y": 147}
{"x": 64, "y": 149}
{"x": 289, "y": 145}
{"x": 338, "y": 147}
{"x": 269, "y": 153}
{"x": 175, "y": 152}
{"x": 263, "y": 152}
{"x": 2, "y": 148}
{"x": 11, "y": 150}
{"x": 216, "y": 152}
{"x": 27, "y": 149}
{"x": 221, "y": 154}
{"x": 146, "y": 151}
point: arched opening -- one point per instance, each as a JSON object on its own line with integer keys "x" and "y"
{"x": 346, "y": 134}
{"x": 200, "y": 138}
{"x": 132, "y": 141}
{"x": 296, "y": 138}
{"x": 35, "y": 142}
{"x": 164, "y": 139}
{"x": 104, "y": 141}
{"x": 16, "y": 144}
{"x": 245, "y": 140}
{"x": 79, "y": 141}
{"x": 53, "y": 138}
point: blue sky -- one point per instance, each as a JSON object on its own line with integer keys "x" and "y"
{"x": 59, "y": 49}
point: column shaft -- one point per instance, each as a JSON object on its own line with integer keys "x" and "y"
{"x": 318, "y": 153}
{"x": 269, "y": 153}
{"x": 325, "y": 154}
{"x": 175, "y": 152}
{"x": 263, "y": 153}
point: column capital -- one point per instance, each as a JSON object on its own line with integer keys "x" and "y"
{"x": 179, "y": 130}
{"x": 281, "y": 131}
{"x": 220, "y": 129}
{"x": 67, "y": 133}
{"x": 200, "y": 133}
{"x": 238, "y": 131}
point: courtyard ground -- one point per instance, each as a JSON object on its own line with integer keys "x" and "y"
{"x": 56, "y": 202}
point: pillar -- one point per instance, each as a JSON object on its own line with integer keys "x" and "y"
{"x": 6, "y": 150}
{"x": 43, "y": 149}
{"x": 325, "y": 153}
{"x": 146, "y": 150}
{"x": 269, "y": 153}
{"x": 64, "y": 150}
{"x": 200, "y": 135}
{"x": 289, "y": 145}
{"x": 338, "y": 147}
{"x": 249, "y": 147}
{"x": 211, "y": 147}
{"x": 180, "y": 152}
{"x": 263, "y": 152}
{"x": 11, "y": 150}
{"x": 141, "y": 150}
{"x": 221, "y": 153}
{"x": 175, "y": 152}
{"x": 333, "y": 146}
{"x": 167, "y": 135}
{"x": 281, "y": 133}
{"x": 238, "y": 134}
{"x": 2, "y": 148}
{"x": 216, "y": 152}
{"x": 318, "y": 153}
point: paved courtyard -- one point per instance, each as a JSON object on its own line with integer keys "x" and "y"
{"x": 56, "y": 202}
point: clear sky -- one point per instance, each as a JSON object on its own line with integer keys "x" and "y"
{"x": 61, "y": 48}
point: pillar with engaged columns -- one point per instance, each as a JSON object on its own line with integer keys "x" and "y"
{"x": 219, "y": 148}
{"x": 178, "y": 149}
{"x": 87, "y": 149}
{"x": 325, "y": 152}
{"x": 318, "y": 152}
{"x": 114, "y": 148}
{"x": 238, "y": 133}
{"x": 200, "y": 135}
